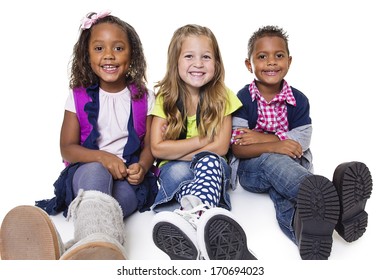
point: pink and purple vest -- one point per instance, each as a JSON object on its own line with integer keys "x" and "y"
{"x": 139, "y": 109}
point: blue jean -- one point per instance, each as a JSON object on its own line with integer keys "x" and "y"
{"x": 175, "y": 174}
{"x": 278, "y": 175}
{"x": 94, "y": 176}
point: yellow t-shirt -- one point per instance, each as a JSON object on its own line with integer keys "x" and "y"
{"x": 233, "y": 104}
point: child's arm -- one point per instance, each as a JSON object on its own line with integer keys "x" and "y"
{"x": 72, "y": 151}
{"x": 302, "y": 135}
{"x": 248, "y": 143}
{"x": 246, "y": 136}
{"x": 220, "y": 143}
{"x": 172, "y": 149}
{"x": 137, "y": 171}
{"x": 287, "y": 147}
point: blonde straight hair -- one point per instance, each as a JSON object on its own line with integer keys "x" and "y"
{"x": 172, "y": 89}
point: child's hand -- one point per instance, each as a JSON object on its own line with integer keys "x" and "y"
{"x": 114, "y": 165}
{"x": 136, "y": 174}
{"x": 246, "y": 136}
{"x": 288, "y": 147}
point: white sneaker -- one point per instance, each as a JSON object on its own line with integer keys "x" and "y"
{"x": 192, "y": 216}
{"x": 220, "y": 237}
{"x": 174, "y": 233}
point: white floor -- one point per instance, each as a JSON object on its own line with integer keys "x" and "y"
{"x": 256, "y": 214}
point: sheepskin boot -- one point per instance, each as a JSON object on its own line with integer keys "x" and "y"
{"x": 98, "y": 228}
{"x": 28, "y": 233}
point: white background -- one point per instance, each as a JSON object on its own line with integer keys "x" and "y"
{"x": 335, "y": 47}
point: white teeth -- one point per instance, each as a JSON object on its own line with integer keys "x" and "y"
{"x": 196, "y": 74}
{"x": 108, "y": 67}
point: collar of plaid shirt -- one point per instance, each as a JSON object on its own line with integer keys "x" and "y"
{"x": 285, "y": 94}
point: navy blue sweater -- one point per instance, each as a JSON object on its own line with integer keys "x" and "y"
{"x": 298, "y": 115}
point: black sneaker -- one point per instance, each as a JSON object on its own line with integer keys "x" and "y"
{"x": 317, "y": 213}
{"x": 353, "y": 182}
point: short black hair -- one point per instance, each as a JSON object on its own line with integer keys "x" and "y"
{"x": 268, "y": 30}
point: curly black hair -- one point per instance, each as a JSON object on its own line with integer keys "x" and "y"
{"x": 81, "y": 72}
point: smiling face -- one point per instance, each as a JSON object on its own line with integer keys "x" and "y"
{"x": 270, "y": 61}
{"x": 196, "y": 62}
{"x": 110, "y": 56}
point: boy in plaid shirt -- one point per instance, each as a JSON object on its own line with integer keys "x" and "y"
{"x": 270, "y": 146}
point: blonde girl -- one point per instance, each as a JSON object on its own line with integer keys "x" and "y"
{"x": 191, "y": 131}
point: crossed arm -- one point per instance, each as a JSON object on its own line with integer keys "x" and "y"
{"x": 185, "y": 149}
{"x": 249, "y": 143}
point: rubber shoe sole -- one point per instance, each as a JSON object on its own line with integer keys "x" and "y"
{"x": 317, "y": 213}
{"x": 220, "y": 237}
{"x": 27, "y": 233}
{"x": 175, "y": 236}
{"x": 95, "y": 251}
{"x": 353, "y": 182}
{"x": 97, "y": 246}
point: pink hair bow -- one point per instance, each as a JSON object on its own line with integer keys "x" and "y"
{"x": 87, "y": 22}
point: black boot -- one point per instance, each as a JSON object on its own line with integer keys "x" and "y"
{"x": 353, "y": 182}
{"x": 316, "y": 215}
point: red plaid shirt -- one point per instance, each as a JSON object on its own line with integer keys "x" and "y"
{"x": 273, "y": 115}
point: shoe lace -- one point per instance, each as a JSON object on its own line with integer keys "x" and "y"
{"x": 192, "y": 216}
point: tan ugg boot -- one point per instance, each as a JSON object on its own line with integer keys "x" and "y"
{"x": 98, "y": 228}
{"x": 28, "y": 233}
